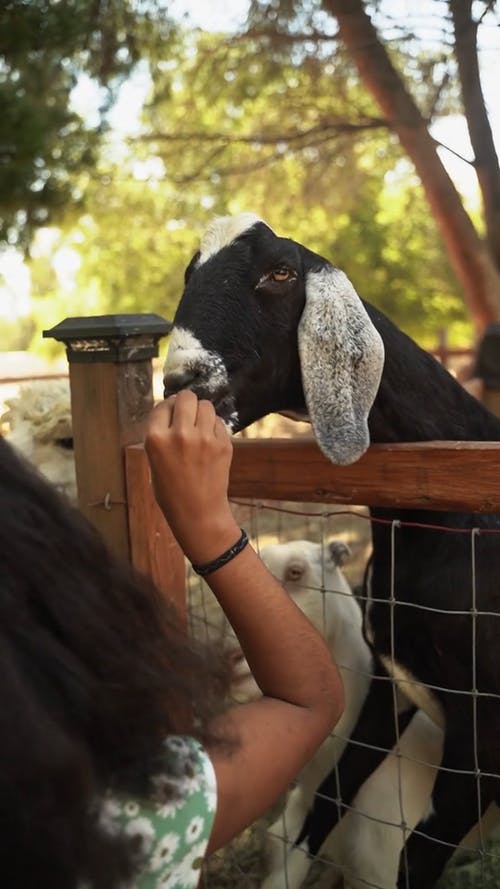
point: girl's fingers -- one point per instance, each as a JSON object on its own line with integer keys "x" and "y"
{"x": 206, "y": 416}
{"x": 169, "y": 409}
{"x": 220, "y": 429}
{"x": 160, "y": 417}
{"x": 184, "y": 410}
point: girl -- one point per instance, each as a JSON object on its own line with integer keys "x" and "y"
{"x": 119, "y": 766}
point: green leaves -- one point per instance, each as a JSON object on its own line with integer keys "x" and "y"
{"x": 274, "y": 121}
{"x": 44, "y": 144}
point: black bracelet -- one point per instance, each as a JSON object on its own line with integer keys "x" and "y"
{"x": 224, "y": 558}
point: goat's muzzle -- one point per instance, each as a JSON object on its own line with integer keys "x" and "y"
{"x": 221, "y": 397}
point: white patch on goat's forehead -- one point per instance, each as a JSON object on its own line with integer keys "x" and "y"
{"x": 223, "y": 231}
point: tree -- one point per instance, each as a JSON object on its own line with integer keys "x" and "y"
{"x": 205, "y": 150}
{"x": 394, "y": 74}
{"x": 45, "y": 48}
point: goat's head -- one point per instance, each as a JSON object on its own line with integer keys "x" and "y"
{"x": 265, "y": 325}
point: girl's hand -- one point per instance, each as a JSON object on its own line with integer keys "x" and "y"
{"x": 190, "y": 451}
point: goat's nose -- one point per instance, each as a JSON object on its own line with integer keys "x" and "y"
{"x": 173, "y": 383}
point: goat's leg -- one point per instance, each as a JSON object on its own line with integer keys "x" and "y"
{"x": 377, "y": 730}
{"x": 454, "y": 811}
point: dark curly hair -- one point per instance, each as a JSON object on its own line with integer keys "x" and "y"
{"x": 95, "y": 671}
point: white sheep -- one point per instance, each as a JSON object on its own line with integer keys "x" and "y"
{"x": 365, "y": 846}
{"x": 40, "y": 427}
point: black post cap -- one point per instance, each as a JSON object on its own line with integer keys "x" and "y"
{"x": 111, "y": 338}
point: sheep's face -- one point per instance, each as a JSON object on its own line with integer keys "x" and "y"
{"x": 41, "y": 429}
{"x": 265, "y": 325}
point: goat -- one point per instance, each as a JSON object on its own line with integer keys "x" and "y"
{"x": 319, "y": 587}
{"x": 40, "y": 427}
{"x": 265, "y": 325}
{"x": 313, "y": 577}
{"x": 366, "y": 843}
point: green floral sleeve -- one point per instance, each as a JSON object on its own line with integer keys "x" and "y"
{"x": 174, "y": 828}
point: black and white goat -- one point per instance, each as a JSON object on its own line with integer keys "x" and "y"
{"x": 265, "y": 325}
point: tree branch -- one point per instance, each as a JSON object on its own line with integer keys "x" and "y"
{"x": 477, "y": 271}
{"x": 437, "y": 95}
{"x": 489, "y": 6}
{"x": 466, "y": 160}
{"x": 282, "y": 37}
{"x": 203, "y": 136}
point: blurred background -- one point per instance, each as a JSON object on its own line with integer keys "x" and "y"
{"x": 367, "y": 131}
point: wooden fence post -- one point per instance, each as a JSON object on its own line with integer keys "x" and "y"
{"x": 111, "y": 374}
{"x": 488, "y": 368}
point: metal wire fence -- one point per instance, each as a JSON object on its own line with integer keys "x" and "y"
{"x": 365, "y": 846}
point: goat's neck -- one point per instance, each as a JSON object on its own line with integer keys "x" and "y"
{"x": 418, "y": 400}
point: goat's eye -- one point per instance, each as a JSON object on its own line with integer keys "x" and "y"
{"x": 280, "y": 274}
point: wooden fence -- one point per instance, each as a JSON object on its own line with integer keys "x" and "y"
{"x": 110, "y": 368}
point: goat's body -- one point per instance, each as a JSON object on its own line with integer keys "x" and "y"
{"x": 431, "y": 576}
{"x": 275, "y": 327}
{"x": 368, "y": 841}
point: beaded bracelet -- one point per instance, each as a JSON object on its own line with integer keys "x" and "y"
{"x": 224, "y": 558}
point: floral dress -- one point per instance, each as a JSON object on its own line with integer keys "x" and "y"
{"x": 173, "y": 834}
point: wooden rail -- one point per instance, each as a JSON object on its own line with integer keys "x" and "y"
{"x": 427, "y": 475}
{"x": 29, "y": 378}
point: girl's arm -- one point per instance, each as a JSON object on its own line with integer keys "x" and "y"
{"x": 190, "y": 453}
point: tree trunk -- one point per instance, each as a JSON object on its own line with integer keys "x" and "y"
{"x": 481, "y": 137}
{"x": 469, "y": 254}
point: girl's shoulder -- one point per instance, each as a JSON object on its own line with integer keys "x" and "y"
{"x": 172, "y": 828}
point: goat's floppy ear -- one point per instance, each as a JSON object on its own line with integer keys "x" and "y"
{"x": 341, "y": 357}
{"x": 339, "y": 552}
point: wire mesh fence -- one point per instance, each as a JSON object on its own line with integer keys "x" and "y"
{"x": 366, "y": 846}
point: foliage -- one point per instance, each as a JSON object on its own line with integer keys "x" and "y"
{"x": 274, "y": 121}
{"x": 45, "y": 48}
{"x": 16, "y": 335}
{"x": 204, "y": 150}
{"x": 417, "y": 67}
{"x": 474, "y": 870}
